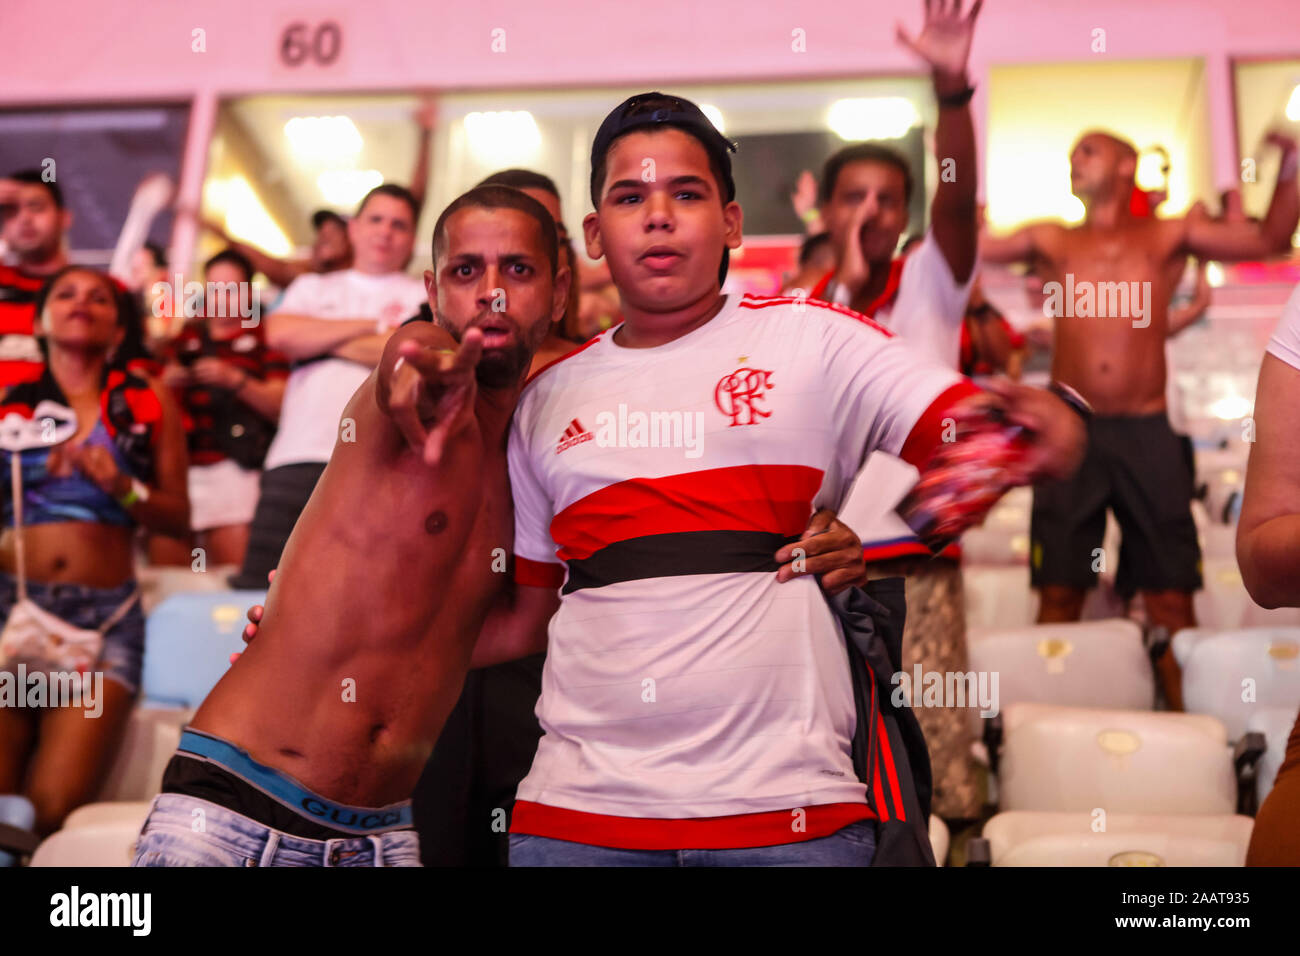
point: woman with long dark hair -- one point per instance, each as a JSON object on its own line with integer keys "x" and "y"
{"x": 110, "y": 456}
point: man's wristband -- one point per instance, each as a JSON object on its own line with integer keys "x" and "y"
{"x": 958, "y": 99}
{"x": 1078, "y": 404}
{"x": 139, "y": 492}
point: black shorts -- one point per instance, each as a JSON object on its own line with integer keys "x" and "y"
{"x": 1138, "y": 468}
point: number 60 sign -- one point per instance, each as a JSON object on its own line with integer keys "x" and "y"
{"x": 305, "y": 44}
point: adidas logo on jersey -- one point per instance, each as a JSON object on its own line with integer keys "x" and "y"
{"x": 575, "y": 434}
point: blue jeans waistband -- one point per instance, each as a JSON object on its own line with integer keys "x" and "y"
{"x": 284, "y": 789}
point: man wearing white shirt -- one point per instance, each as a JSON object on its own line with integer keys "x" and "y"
{"x": 333, "y": 327}
{"x": 920, "y": 296}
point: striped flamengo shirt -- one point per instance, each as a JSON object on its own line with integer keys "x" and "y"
{"x": 21, "y": 359}
{"x": 688, "y": 699}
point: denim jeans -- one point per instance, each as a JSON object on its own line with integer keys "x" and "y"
{"x": 853, "y": 845}
{"x": 122, "y": 658}
{"x": 176, "y": 835}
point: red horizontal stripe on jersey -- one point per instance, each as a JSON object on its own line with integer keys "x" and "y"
{"x": 906, "y": 549}
{"x": 773, "y": 498}
{"x": 771, "y": 828}
{"x": 19, "y": 372}
{"x": 538, "y": 574}
{"x": 927, "y": 433}
{"x": 17, "y": 318}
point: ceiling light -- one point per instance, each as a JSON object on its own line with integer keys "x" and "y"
{"x": 879, "y": 117}
{"x": 715, "y": 116}
{"x": 247, "y": 219}
{"x": 347, "y": 187}
{"x": 315, "y": 139}
{"x": 503, "y": 138}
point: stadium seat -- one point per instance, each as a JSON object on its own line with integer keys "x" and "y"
{"x": 104, "y": 814}
{"x": 1003, "y": 538}
{"x": 98, "y": 844}
{"x": 998, "y": 597}
{"x": 1068, "y": 759}
{"x": 1102, "y": 664}
{"x": 1221, "y": 668}
{"x": 1077, "y": 839}
{"x": 1275, "y": 724}
{"x": 16, "y": 812}
{"x": 150, "y": 740}
{"x": 1085, "y": 664}
{"x": 189, "y": 640}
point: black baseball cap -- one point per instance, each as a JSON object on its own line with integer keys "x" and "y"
{"x": 678, "y": 113}
{"x": 322, "y": 216}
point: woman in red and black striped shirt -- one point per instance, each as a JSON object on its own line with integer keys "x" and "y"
{"x": 230, "y": 386}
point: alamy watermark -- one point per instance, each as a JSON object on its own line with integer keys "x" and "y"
{"x": 923, "y": 688}
{"x": 227, "y": 299}
{"x": 1102, "y": 300}
{"x": 627, "y": 428}
{"x": 41, "y": 688}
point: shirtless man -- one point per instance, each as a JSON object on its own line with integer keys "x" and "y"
{"x": 1135, "y": 464}
{"x": 393, "y": 583}
{"x": 320, "y": 729}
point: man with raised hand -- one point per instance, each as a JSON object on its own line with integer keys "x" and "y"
{"x": 1108, "y": 283}
{"x": 920, "y": 294}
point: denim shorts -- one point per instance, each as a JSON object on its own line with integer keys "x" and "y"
{"x": 122, "y": 658}
{"x": 853, "y": 845}
{"x": 185, "y": 831}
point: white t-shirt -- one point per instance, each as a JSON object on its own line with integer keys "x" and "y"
{"x": 1285, "y": 343}
{"x": 682, "y": 681}
{"x": 927, "y": 313}
{"x": 319, "y": 389}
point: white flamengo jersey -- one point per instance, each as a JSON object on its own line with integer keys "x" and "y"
{"x": 689, "y": 700}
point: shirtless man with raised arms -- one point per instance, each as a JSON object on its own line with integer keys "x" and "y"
{"x": 1108, "y": 284}
{"x": 393, "y": 583}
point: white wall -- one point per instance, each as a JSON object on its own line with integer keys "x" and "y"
{"x": 139, "y": 49}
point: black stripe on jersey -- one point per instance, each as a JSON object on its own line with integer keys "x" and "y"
{"x": 672, "y": 555}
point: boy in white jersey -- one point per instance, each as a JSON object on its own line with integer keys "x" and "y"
{"x": 693, "y": 713}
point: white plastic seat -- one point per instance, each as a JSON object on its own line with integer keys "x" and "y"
{"x": 100, "y": 844}
{"x": 1069, "y": 839}
{"x": 939, "y": 839}
{"x": 1084, "y": 664}
{"x": 1069, "y": 759}
{"x": 998, "y": 597}
{"x": 102, "y": 814}
{"x": 1003, "y": 538}
{"x": 1275, "y": 724}
{"x": 149, "y": 743}
{"x": 1220, "y": 668}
